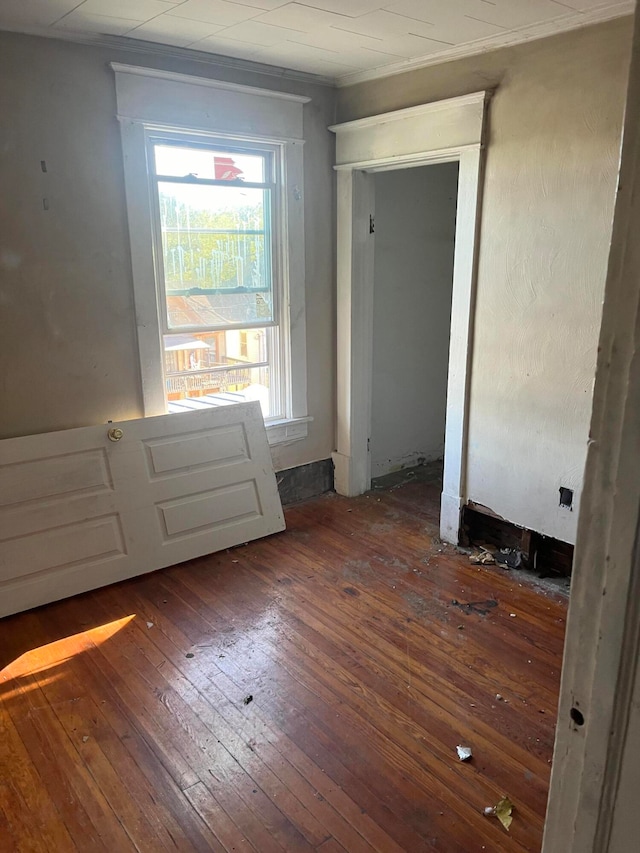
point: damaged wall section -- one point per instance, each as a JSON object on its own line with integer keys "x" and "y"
{"x": 521, "y": 548}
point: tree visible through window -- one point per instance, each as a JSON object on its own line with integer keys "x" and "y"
{"x": 216, "y": 225}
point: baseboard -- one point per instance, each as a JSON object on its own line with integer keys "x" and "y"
{"x": 411, "y": 460}
{"x": 305, "y": 481}
{"x": 543, "y": 554}
{"x": 450, "y": 518}
{"x": 352, "y": 474}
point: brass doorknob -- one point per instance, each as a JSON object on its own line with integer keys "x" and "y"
{"x": 115, "y": 434}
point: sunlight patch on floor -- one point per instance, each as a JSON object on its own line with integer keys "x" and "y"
{"x": 43, "y": 658}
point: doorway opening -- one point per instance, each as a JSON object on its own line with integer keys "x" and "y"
{"x": 414, "y": 232}
{"x": 445, "y": 132}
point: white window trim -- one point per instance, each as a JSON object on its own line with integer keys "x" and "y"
{"x": 149, "y": 100}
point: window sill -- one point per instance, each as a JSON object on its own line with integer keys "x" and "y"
{"x": 286, "y": 430}
{"x": 279, "y": 430}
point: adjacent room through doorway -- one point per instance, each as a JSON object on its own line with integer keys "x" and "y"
{"x": 415, "y": 220}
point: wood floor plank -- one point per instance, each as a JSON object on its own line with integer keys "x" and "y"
{"x": 190, "y": 619}
{"x": 217, "y": 819}
{"x": 302, "y": 693}
{"x": 271, "y": 788}
{"x": 446, "y": 759}
{"x": 31, "y": 813}
{"x": 392, "y": 652}
{"x": 300, "y": 774}
{"x": 233, "y": 700}
{"x": 102, "y": 754}
{"x": 217, "y": 768}
{"x": 191, "y": 622}
{"x": 184, "y": 827}
{"x": 385, "y": 662}
{"x": 17, "y": 831}
{"x": 310, "y": 686}
{"x": 68, "y": 789}
{"x": 331, "y": 846}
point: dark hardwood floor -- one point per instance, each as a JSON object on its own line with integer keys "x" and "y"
{"x": 302, "y": 693}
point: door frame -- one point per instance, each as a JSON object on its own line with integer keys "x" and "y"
{"x": 441, "y": 132}
{"x": 586, "y": 811}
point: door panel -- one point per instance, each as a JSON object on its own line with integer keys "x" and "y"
{"x": 78, "y": 510}
{"x": 211, "y": 449}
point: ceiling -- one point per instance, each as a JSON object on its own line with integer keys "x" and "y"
{"x": 343, "y": 40}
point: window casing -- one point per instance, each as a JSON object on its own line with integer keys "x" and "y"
{"x": 166, "y": 105}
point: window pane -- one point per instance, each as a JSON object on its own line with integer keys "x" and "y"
{"x": 206, "y": 163}
{"x": 213, "y": 369}
{"x": 216, "y": 246}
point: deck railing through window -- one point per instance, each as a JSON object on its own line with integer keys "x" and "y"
{"x": 210, "y": 381}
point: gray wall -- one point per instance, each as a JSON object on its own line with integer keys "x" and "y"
{"x": 68, "y": 351}
{"x": 552, "y": 158}
{"x": 414, "y": 242}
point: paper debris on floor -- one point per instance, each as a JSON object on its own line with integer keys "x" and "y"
{"x": 464, "y": 753}
{"x": 503, "y": 811}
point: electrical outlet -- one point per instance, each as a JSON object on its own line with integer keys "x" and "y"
{"x": 566, "y": 497}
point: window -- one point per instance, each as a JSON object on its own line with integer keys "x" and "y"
{"x": 217, "y": 235}
{"x": 214, "y": 184}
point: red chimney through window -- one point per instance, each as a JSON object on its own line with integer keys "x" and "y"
{"x": 225, "y": 169}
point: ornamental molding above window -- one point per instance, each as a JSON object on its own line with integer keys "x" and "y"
{"x": 200, "y": 103}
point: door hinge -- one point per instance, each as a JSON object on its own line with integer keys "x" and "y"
{"x": 372, "y": 224}
{"x": 368, "y": 445}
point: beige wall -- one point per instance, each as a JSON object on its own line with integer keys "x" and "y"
{"x": 552, "y": 159}
{"x": 68, "y": 352}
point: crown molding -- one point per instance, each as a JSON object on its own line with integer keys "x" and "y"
{"x": 190, "y": 79}
{"x": 183, "y": 53}
{"x": 508, "y": 39}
